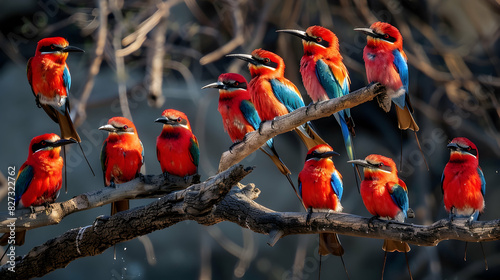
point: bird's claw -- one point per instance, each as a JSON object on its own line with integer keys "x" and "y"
{"x": 370, "y": 222}
{"x": 308, "y": 217}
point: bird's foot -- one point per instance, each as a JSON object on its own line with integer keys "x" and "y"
{"x": 370, "y": 221}
{"x": 308, "y": 218}
{"x": 32, "y": 209}
{"x": 410, "y": 213}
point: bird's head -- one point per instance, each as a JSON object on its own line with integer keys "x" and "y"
{"x": 229, "y": 82}
{"x": 462, "y": 149}
{"x": 119, "y": 125}
{"x": 56, "y": 47}
{"x": 316, "y": 40}
{"x": 384, "y": 35}
{"x": 377, "y": 166}
{"x": 48, "y": 142}
{"x": 262, "y": 62}
{"x": 321, "y": 152}
{"x": 172, "y": 119}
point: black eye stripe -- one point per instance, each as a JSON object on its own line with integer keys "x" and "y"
{"x": 51, "y": 48}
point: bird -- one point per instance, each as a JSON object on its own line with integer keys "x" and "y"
{"x": 321, "y": 188}
{"x": 462, "y": 183}
{"x": 50, "y": 81}
{"x": 39, "y": 179}
{"x": 386, "y": 63}
{"x": 324, "y": 75}
{"x": 177, "y": 148}
{"x": 122, "y": 156}
{"x": 240, "y": 117}
{"x": 385, "y": 196}
{"x": 272, "y": 94}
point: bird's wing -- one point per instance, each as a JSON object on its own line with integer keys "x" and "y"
{"x": 483, "y": 182}
{"x": 250, "y": 113}
{"x": 24, "y": 178}
{"x": 336, "y": 183}
{"x": 328, "y": 80}
{"x": 67, "y": 79}
{"x": 300, "y": 187}
{"x": 287, "y": 94}
{"x": 29, "y": 73}
{"x": 402, "y": 69}
{"x": 104, "y": 160}
{"x": 399, "y": 195}
{"x": 194, "y": 151}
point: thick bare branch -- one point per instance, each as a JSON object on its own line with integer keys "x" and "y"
{"x": 282, "y": 124}
{"x": 146, "y": 186}
{"x": 214, "y": 201}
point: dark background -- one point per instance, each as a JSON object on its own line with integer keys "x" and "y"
{"x": 453, "y": 50}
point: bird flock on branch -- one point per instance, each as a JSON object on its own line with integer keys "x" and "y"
{"x": 243, "y": 106}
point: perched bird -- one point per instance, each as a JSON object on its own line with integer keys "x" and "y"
{"x": 324, "y": 74}
{"x": 386, "y": 63}
{"x": 463, "y": 183}
{"x": 122, "y": 156}
{"x": 240, "y": 117}
{"x": 321, "y": 188}
{"x": 50, "y": 81}
{"x": 40, "y": 177}
{"x": 385, "y": 196}
{"x": 176, "y": 147}
{"x": 272, "y": 94}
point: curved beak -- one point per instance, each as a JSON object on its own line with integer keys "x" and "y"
{"x": 108, "y": 127}
{"x": 453, "y": 146}
{"x": 360, "y": 162}
{"x": 367, "y": 31}
{"x": 328, "y": 154}
{"x": 164, "y": 120}
{"x": 62, "y": 142}
{"x": 246, "y": 57}
{"x": 218, "y": 85}
{"x": 72, "y": 49}
{"x": 299, "y": 33}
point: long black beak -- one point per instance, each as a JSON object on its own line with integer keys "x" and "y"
{"x": 63, "y": 142}
{"x": 328, "y": 154}
{"x": 165, "y": 120}
{"x": 453, "y": 146}
{"x": 246, "y": 57}
{"x": 360, "y": 162}
{"x": 368, "y": 32}
{"x": 299, "y": 33}
{"x": 218, "y": 85}
{"x": 72, "y": 49}
{"x": 108, "y": 127}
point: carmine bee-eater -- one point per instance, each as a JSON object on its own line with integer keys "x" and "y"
{"x": 324, "y": 74}
{"x": 321, "y": 188}
{"x": 386, "y": 63}
{"x": 272, "y": 94}
{"x": 176, "y": 147}
{"x": 385, "y": 196}
{"x": 240, "y": 117}
{"x": 50, "y": 81}
{"x": 463, "y": 183}
{"x": 40, "y": 177}
{"x": 122, "y": 156}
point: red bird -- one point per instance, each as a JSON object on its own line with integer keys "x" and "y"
{"x": 40, "y": 177}
{"x": 177, "y": 148}
{"x": 272, "y": 94}
{"x": 321, "y": 188}
{"x": 50, "y": 82}
{"x": 122, "y": 156}
{"x": 463, "y": 181}
{"x": 385, "y": 196}
{"x": 240, "y": 117}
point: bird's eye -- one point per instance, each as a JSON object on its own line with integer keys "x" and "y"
{"x": 386, "y": 36}
{"x": 267, "y": 60}
{"x": 52, "y": 47}
{"x": 236, "y": 83}
{"x": 125, "y": 126}
{"x": 43, "y": 143}
{"x": 319, "y": 39}
{"x": 380, "y": 164}
{"x": 179, "y": 119}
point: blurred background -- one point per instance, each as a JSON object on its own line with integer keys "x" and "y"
{"x": 145, "y": 56}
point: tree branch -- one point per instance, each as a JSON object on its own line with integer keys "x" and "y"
{"x": 145, "y": 186}
{"x": 192, "y": 203}
{"x": 288, "y": 122}
{"x": 214, "y": 201}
